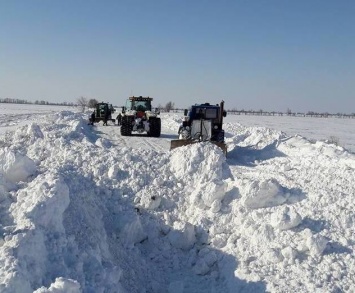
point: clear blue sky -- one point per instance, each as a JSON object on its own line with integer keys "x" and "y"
{"x": 254, "y": 54}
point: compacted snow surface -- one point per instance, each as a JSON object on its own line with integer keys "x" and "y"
{"x": 83, "y": 209}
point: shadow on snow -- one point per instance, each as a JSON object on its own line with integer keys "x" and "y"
{"x": 247, "y": 156}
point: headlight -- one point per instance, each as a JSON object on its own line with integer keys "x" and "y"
{"x": 215, "y": 127}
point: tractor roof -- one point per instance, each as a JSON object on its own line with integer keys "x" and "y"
{"x": 140, "y": 98}
{"x": 205, "y": 105}
{"x": 103, "y": 103}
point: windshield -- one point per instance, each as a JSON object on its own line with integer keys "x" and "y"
{"x": 203, "y": 113}
{"x": 139, "y": 105}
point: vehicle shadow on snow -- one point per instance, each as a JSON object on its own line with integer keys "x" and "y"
{"x": 163, "y": 135}
{"x": 169, "y": 136}
{"x": 247, "y": 156}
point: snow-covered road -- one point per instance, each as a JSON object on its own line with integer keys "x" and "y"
{"x": 137, "y": 141}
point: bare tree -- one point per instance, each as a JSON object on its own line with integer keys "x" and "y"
{"x": 92, "y": 103}
{"x": 169, "y": 106}
{"x": 82, "y": 102}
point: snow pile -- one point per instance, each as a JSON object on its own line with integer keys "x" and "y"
{"x": 285, "y": 218}
{"x": 267, "y": 193}
{"x": 193, "y": 165}
{"x": 182, "y": 236}
{"x": 16, "y": 167}
{"x": 61, "y": 285}
{"x": 86, "y": 210}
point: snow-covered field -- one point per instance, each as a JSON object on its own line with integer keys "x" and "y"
{"x": 338, "y": 130}
{"x": 83, "y": 209}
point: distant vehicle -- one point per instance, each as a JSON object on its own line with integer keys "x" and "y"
{"x": 101, "y": 109}
{"x": 138, "y": 117}
{"x": 203, "y": 122}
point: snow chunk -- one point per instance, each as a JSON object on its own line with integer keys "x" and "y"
{"x": 16, "y": 167}
{"x": 38, "y": 215}
{"x": 149, "y": 198}
{"x": 131, "y": 229}
{"x": 216, "y": 206}
{"x": 285, "y": 218}
{"x": 207, "y": 258}
{"x": 196, "y": 161}
{"x": 262, "y": 194}
{"x": 316, "y": 244}
{"x": 103, "y": 143}
{"x": 150, "y": 202}
{"x": 61, "y": 285}
{"x": 44, "y": 201}
{"x": 182, "y": 236}
{"x": 112, "y": 172}
{"x": 209, "y": 194}
{"x": 273, "y": 255}
{"x": 34, "y": 131}
{"x": 201, "y": 166}
{"x": 289, "y": 254}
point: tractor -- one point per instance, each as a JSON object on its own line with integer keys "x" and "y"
{"x": 103, "y": 110}
{"x": 202, "y": 122}
{"x": 138, "y": 117}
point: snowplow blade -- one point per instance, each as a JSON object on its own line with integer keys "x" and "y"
{"x": 181, "y": 142}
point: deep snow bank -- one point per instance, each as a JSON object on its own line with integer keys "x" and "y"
{"x": 79, "y": 214}
{"x": 84, "y": 216}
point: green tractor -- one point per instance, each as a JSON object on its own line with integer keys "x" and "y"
{"x": 103, "y": 110}
{"x": 138, "y": 117}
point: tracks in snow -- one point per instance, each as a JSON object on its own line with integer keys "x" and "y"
{"x": 113, "y": 134}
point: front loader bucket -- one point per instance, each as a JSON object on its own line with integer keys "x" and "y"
{"x": 182, "y": 142}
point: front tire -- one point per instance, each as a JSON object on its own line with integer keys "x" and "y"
{"x": 126, "y": 126}
{"x": 154, "y": 127}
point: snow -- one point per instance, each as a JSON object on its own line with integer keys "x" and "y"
{"x": 83, "y": 209}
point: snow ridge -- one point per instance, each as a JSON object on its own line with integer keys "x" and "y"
{"x": 80, "y": 213}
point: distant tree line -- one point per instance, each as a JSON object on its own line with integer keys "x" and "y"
{"x": 261, "y": 112}
{"x": 290, "y": 113}
{"x": 42, "y": 102}
{"x": 14, "y": 101}
{"x": 51, "y": 103}
{"x": 170, "y": 107}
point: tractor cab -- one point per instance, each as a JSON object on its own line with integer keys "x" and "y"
{"x": 203, "y": 122}
{"x": 139, "y": 118}
{"x": 104, "y": 109}
{"x": 206, "y": 112}
{"x": 139, "y": 104}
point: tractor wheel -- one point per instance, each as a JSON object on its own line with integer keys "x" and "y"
{"x": 126, "y": 126}
{"x": 155, "y": 127}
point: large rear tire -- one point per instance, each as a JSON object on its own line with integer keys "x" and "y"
{"x": 154, "y": 127}
{"x": 126, "y": 126}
